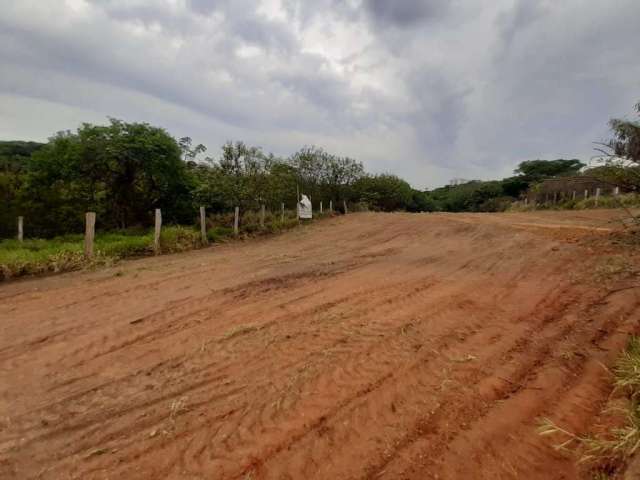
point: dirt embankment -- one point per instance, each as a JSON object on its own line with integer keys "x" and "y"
{"x": 380, "y": 346}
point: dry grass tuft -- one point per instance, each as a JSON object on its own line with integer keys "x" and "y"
{"x": 610, "y": 452}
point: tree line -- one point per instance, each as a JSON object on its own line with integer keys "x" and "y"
{"x": 617, "y": 163}
{"x": 123, "y": 171}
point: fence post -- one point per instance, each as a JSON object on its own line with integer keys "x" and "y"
{"x": 156, "y": 235}
{"x": 330, "y": 206}
{"x": 282, "y": 213}
{"x": 89, "y": 233}
{"x": 262, "y": 213}
{"x": 235, "y": 221}
{"x": 203, "y": 225}
{"x": 345, "y": 206}
{"x": 616, "y": 191}
{"x": 586, "y": 194}
{"x": 573, "y": 197}
{"x": 597, "y": 195}
{"x": 555, "y": 197}
{"x": 526, "y": 201}
{"x": 20, "y": 228}
{"x": 320, "y": 207}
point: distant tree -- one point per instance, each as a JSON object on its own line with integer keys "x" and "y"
{"x": 421, "y": 202}
{"x": 539, "y": 169}
{"x": 383, "y": 192}
{"x": 14, "y": 161}
{"x": 621, "y": 155}
{"x": 626, "y": 141}
{"x": 323, "y": 175}
{"x": 514, "y": 186}
{"x": 190, "y": 153}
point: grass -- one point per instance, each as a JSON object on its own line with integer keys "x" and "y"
{"x": 611, "y": 451}
{"x": 627, "y": 200}
{"x": 66, "y": 252}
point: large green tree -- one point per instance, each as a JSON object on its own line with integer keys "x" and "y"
{"x": 121, "y": 170}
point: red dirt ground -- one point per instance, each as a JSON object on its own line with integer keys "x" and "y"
{"x": 375, "y": 346}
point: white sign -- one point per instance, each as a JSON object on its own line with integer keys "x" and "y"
{"x": 304, "y": 208}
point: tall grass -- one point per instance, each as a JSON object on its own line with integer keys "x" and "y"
{"x": 627, "y": 200}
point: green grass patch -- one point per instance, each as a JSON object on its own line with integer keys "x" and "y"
{"x": 66, "y": 252}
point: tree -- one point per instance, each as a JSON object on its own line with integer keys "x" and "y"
{"x": 621, "y": 154}
{"x": 189, "y": 154}
{"x": 122, "y": 171}
{"x": 626, "y": 141}
{"x": 539, "y": 169}
{"x": 323, "y": 175}
{"x": 14, "y": 159}
{"x": 383, "y": 192}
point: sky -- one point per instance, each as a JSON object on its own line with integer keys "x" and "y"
{"x": 429, "y": 90}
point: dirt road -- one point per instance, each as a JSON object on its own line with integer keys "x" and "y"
{"x": 377, "y": 346}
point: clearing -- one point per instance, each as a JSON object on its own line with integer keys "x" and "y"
{"x": 381, "y": 346}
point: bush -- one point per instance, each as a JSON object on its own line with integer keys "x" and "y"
{"x": 178, "y": 239}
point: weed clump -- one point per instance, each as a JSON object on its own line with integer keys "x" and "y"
{"x": 609, "y": 452}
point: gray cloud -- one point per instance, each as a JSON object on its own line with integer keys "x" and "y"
{"x": 404, "y": 13}
{"x": 427, "y": 89}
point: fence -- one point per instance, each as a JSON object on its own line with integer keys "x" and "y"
{"x": 559, "y": 190}
{"x": 90, "y": 225}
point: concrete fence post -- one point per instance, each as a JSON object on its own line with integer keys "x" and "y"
{"x": 616, "y": 191}
{"x": 320, "y": 207}
{"x": 89, "y": 233}
{"x": 20, "y": 229}
{"x": 282, "y": 213}
{"x": 345, "y": 206}
{"x": 586, "y": 194}
{"x": 262, "y": 214}
{"x": 597, "y": 195}
{"x": 236, "y": 221}
{"x": 330, "y": 206}
{"x": 573, "y": 197}
{"x": 203, "y": 225}
{"x": 555, "y": 197}
{"x": 156, "y": 233}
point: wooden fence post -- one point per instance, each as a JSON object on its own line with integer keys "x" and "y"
{"x": 89, "y": 233}
{"x": 20, "y": 228}
{"x": 262, "y": 213}
{"x": 345, "y": 206}
{"x": 156, "y": 235}
{"x": 236, "y": 220}
{"x": 597, "y": 195}
{"x": 282, "y": 213}
{"x": 203, "y": 225}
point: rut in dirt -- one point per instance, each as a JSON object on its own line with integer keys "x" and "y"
{"x": 372, "y": 346}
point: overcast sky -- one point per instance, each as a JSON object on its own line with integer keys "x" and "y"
{"x": 429, "y": 90}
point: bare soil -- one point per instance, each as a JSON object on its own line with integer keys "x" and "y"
{"x": 372, "y": 346}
